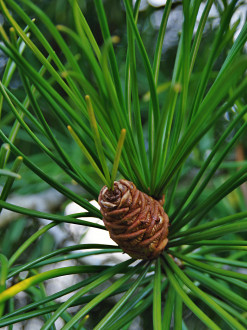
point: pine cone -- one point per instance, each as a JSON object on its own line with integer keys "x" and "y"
{"x": 135, "y": 221}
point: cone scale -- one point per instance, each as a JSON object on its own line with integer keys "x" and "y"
{"x": 136, "y": 222}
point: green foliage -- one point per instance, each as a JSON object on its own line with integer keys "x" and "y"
{"x": 87, "y": 114}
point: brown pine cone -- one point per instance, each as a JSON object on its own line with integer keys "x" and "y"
{"x": 135, "y": 221}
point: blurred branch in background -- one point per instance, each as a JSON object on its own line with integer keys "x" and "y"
{"x": 46, "y": 201}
